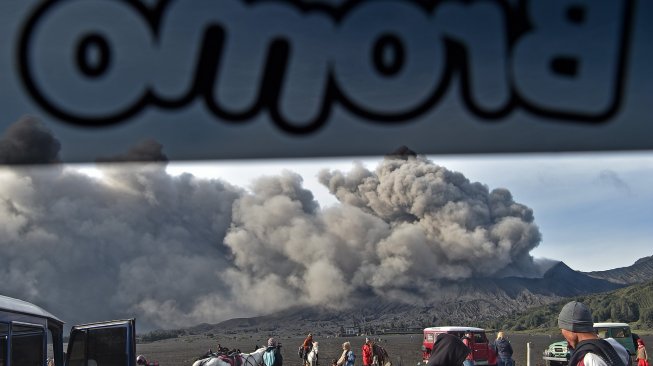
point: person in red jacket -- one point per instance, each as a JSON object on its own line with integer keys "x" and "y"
{"x": 307, "y": 346}
{"x": 468, "y": 340}
{"x": 367, "y": 352}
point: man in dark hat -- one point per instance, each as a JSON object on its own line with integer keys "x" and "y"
{"x": 576, "y": 324}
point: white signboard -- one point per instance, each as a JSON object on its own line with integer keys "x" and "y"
{"x": 216, "y": 79}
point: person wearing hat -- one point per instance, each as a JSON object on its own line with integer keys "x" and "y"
{"x": 577, "y": 326}
{"x": 272, "y": 355}
{"x": 367, "y": 352}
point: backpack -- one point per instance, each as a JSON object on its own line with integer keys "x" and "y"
{"x": 599, "y": 347}
{"x": 268, "y": 357}
{"x": 351, "y": 358}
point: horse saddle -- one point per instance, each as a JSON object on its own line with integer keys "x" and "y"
{"x": 232, "y": 359}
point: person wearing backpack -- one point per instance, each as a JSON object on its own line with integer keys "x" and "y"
{"x": 577, "y": 326}
{"x": 272, "y": 355}
{"x": 348, "y": 358}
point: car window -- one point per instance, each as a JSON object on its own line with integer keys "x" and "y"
{"x": 618, "y": 333}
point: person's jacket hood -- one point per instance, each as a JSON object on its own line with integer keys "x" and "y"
{"x": 448, "y": 350}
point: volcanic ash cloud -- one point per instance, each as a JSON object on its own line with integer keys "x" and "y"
{"x": 136, "y": 243}
{"x": 174, "y": 251}
{"x": 401, "y": 230}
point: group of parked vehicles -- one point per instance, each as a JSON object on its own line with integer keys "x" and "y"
{"x": 26, "y": 332}
{"x": 557, "y": 354}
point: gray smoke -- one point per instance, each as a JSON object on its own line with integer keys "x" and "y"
{"x": 459, "y": 229}
{"x": 148, "y": 150}
{"x": 400, "y": 231}
{"x": 28, "y": 141}
{"x": 137, "y": 243}
{"x": 176, "y": 251}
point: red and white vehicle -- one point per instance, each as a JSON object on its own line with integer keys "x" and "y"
{"x": 484, "y": 354}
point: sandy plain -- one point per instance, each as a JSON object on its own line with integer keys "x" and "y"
{"x": 404, "y": 350}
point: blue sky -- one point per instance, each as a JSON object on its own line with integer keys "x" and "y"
{"x": 593, "y": 209}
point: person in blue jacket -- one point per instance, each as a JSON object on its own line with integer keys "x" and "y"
{"x": 504, "y": 350}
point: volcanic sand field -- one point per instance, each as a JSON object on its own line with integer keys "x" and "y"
{"x": 404, "y": 350}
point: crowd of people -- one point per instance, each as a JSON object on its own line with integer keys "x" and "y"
{"x": 372, "y": 354}
{"x": 574, "y": 320}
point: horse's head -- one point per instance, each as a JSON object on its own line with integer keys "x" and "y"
{"x": 315, "y": 347}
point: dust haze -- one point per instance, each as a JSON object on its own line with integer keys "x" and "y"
{"x": 174, "y": 251}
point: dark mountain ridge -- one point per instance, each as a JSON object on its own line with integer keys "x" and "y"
{"x": 632, "y": 304}
{"x": 640, "y": 271}
{"x": 472, "y": 301}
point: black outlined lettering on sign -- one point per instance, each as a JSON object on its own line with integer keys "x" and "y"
{"x": 383, "y": 61}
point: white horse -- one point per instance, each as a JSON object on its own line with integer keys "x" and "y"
{"x": 311, "y": 359}
{"x": 246, "y": 359}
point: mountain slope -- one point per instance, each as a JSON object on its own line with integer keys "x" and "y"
{"x": 486, "y": 302}
{"x": 639, "y": 272}
{"x": 472, "y": 301}
{"x": 632, "y": 304}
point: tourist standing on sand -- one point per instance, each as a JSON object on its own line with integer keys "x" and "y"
{"x": 642, "y": 356}
{"x": 468, "y": 341}
{"x": 448, "y": 350}
{"x": 367, "y": 352}
{"x": 272, "y": 355}
{"x": 504, "y": 350}
{"x": 348, "y": 357}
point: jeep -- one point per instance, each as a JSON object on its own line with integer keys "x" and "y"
{"x": 483, "y": 353}
{"x": 26, "y": 329}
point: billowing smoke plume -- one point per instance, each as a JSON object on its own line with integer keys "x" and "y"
{"x": 136, "y": 243}
{"x": 400, "y": 232}
{"x": 176, "y": 251}
{"x": 28, "y": 141}
{"x": 459, "y": 228}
